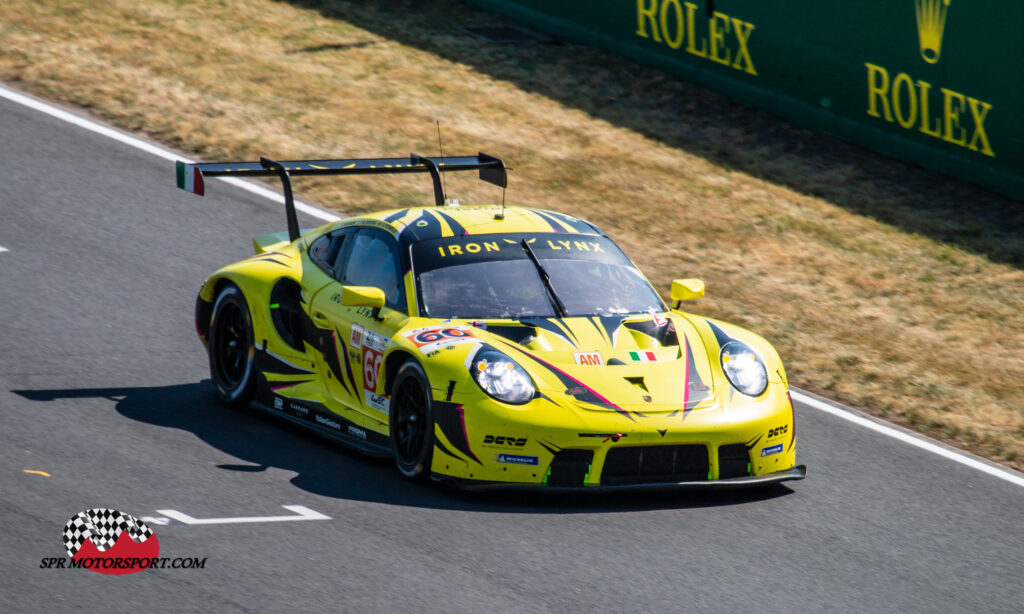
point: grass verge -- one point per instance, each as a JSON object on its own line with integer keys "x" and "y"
{"x": 884, "y": 286}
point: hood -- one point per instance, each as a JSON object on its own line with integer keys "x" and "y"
{"x": 654, "y": 363}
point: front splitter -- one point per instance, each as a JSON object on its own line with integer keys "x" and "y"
{"x": 796, "y": 473}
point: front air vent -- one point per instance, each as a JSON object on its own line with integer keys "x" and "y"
{"x": 638, "y": 382}
{"x": 522, "y": 335}
{"x": 570, "y": 468}
{"x": 733, "y": 461}
{"x": 656, "y": 464}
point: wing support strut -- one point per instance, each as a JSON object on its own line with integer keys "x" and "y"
{"x": 289, "y": 200}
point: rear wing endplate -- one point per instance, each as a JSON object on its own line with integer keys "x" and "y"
{"x": 190, "y": 176}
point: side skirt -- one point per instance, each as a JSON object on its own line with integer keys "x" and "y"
{"x": 328, "y": 425}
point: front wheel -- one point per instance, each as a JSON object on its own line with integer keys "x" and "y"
{"x": 412, "y": 422}
{"x": 231, "y": 348}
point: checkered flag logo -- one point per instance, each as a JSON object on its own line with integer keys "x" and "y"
{"x": 102, "y": 526}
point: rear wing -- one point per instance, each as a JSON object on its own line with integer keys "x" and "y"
{"x": 190, "y": 176}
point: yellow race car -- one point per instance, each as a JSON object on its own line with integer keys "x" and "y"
{"x": 489, "y": 346}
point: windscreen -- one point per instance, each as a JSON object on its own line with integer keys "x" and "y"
{"x": 493, "y": 276}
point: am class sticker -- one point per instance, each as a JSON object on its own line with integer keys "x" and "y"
{"x": 593, "y": 359}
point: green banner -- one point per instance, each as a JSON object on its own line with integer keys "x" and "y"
{"x": 936, "y": 82}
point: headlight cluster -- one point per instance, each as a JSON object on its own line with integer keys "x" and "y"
{"x": 744, "y": 368}
{"x": 502, "y": 378}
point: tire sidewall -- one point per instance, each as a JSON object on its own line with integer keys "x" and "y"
{"x": 240, "y": 394}
{"x": 420, "y": 468}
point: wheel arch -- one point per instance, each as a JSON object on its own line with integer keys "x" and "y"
{"x": 252, "y": 289}
{"x": 392, "y": 363}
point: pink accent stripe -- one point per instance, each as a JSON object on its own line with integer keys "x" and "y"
{"x": 686, "y": 380}
{"x": 576, "y": 381}
{"x": 289, "y": 384}
{"x": 462, "y": 418}
{"x": 792, "y": 415}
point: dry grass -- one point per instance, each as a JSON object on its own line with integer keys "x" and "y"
{"x": 875, "y": 285}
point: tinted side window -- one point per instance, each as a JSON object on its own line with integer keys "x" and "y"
{"x": 373, "y": 261}
{"x": 324, "y": 251}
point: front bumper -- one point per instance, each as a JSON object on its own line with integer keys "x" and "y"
{"x": 735, "y": 444}
{"x": 796, "y": 473}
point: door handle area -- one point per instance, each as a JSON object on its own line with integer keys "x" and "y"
{"x": 320, "y": 319}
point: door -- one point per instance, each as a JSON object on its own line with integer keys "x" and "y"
{"x": 370, "y": 258}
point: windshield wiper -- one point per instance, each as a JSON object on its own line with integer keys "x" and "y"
{"x": 555, "y": 301}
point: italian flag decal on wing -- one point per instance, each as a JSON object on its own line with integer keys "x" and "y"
{"x": 643, "y": 356}
{"x": 189, "y": 178}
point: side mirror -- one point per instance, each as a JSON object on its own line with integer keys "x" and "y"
{"x": 362, "y": 296}
{"x": 686, "y": 289}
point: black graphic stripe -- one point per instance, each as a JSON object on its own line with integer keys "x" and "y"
{"x": 720, "y": 335}
{"x": 550, "y": 220}
{"x": 611, "y": 325}
{"x": 441, "y": 446}
{"x": 550, "y": 447}
{"x": 348, "y": 368}
{"x": 448, "y": 417}
{"x": 396, "y": 216}
{"x": 575, "y": 388}
{"x": 578, "y": 225}
{"x": 697, "y": 392}
{"x": 600, "y": 330}
{"x": 275, "y": 261}
{"x": 268, "y": 363}
{"x": 457, "y": 228}
{"x": 549, "y": 326}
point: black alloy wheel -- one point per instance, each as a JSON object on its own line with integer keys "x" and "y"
{"x": 232, "y": 351}
{"x": 411, "y": 422}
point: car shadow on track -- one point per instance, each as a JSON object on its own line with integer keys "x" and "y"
{"x": 324, "y": 468}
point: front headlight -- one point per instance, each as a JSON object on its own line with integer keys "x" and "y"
{"x": 744, "y": 368}
{"x": 502, "y": 378}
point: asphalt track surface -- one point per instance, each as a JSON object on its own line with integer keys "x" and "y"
{"x": 104, "y": 386}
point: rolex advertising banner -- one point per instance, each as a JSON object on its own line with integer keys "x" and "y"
{"x": 936, "y": 82}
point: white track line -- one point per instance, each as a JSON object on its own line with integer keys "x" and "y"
{"x": 160, "y": 152}
{"x": 301, "y": 513}
{"x": 919, "y": 442}
{"x": 4, "y": 249}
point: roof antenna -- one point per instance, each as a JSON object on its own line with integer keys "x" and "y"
{"x": 501, "y": 215}
{"x": 440, "y": 147}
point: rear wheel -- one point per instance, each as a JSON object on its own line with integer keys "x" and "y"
{"x": 412, "y": 422}
{"x": 231, "y": 348}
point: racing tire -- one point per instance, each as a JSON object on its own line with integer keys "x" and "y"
{"x": 231, "y": 348}
{"x": 411, "y": 420}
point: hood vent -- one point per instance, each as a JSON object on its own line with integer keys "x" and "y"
{"x": 664, "y": 334}
{"x": 638, "y": 382}
{"x": 516, "y": 334}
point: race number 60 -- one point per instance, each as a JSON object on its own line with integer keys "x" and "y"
{"x": 371, "y": 368}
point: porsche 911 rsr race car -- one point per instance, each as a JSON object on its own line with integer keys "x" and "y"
{"x": 489, "y": 346}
